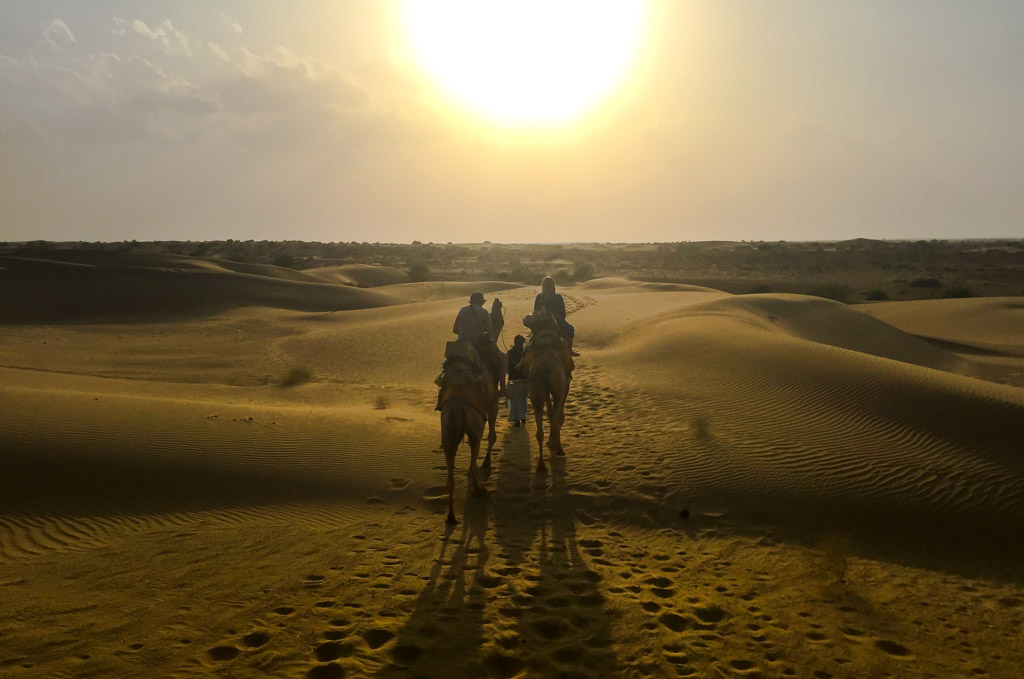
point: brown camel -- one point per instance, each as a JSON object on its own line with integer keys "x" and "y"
{"x": 549, "y": 387}
{"x": 463, "y": 407}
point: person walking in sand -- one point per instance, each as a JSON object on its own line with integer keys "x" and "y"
{"x": 518, "y": 388}
{"x": 555, "y": 306}
{"x": 473, "y": 324}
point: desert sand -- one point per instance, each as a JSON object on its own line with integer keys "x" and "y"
{"x": 763, "y": 485}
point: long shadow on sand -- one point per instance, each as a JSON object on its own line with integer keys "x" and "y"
{"x": 36, "y": 481}
{"x": 521, "y": 598}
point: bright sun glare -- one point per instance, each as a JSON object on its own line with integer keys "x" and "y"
{"x": 526, "y": 63}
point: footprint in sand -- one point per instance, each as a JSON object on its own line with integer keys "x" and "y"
{"x": 329, "y": 671}
{"x": 223, "y": 653}
{"x": 332, "y": 650}
{"x": 256, "y": 639}
{"x": 376, "y": 638}
{"x": 674, "y": 621}
{"x": 892, "y": 648}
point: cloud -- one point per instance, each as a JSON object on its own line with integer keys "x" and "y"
{"x": 218, "y": 51}
{"x": 171, "y": 40}
{"x": 57, "y": 34}
{"x": 230, "y": 23}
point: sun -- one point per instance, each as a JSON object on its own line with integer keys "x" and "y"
{"x": 526, "y": 63}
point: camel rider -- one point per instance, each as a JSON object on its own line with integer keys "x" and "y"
{"x": 473, "y": 324}
{"x": 555, "y": 306}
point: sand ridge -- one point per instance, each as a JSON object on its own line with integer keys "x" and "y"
{"x": 359, "y": 275}
{"x": 54, "y": 291}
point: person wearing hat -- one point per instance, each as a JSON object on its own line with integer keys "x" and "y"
{"x": 473, "y": 324}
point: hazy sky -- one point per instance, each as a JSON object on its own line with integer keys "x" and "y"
{"x": 789, "y": 119}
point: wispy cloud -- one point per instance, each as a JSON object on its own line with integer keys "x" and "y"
{"x": 57, "y": 34}
{"x": 172, "y": 40}
{"x": 231, "y": 23}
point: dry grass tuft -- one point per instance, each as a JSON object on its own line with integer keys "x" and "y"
{"x": 832, "y": 559}
{"x": 700, "y": 426}
{"x": 298, "y": 375}
{"x": 382, "y": 402}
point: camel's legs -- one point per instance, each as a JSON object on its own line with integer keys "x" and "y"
{"x": 539, "y": 413}
{"x": 449, "y": 458}
{"x": 474, "y": 477}
{"x": 556, "y": 420}
{"x": 492, "y": 435}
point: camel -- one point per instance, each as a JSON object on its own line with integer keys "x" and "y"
{"x": 549, "y": 387}
{"x": 463, "y": 409}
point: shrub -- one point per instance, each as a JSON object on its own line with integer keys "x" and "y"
{"x": 524, "y": 275}
{"x": 382, "y": 402}
{"x": 284, "y": 259}
{"x": 418, "y": 271}
{"x": 700, "y": 426}
{"x": 583, "y": 272}
{"x": 877, "y": 296}
{"x": 958, "y": 291}
{"x": 296, "y": 376}
{"x": 562, "y": 277}
{"x": 836, "y": 291}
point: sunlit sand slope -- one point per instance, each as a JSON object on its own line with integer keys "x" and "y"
{"x": 806, "y": 412}
{"x": 989, "y": 324}
{"x": 431, "y": 290}
{"x": 51, "y": 291}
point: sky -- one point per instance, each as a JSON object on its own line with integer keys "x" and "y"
{"x": 313, "y": 120}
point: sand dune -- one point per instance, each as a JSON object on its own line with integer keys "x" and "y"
{"x": 434, "y": 290}
{"x": 610, "y": 283}
{"x": 852, "y": 494}
{"x": 360, "y": 275}
{"x": 991, "y": 324}
{"x": 51, "y": 291}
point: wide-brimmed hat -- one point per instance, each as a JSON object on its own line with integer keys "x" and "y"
{"x": 477, "y": 298}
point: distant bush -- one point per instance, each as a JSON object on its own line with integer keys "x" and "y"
{"x": 925, "y": 283}
{"x": 562, "y": 277}
{"x": 835, "y": 291}
{"x": 583, "y": 272}
{"x": 877, "y": 296}
{"x": 382, "y": 402}
{"x": 296, "y": 376}
{"x": 418, "y": 271}
{"x": 284, "y": 259}
{"x": 958, "y": 291}
{"x": 525, "y": 275}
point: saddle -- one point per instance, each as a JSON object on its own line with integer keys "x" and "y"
{"x": 466, "y": 375}
{"x": 548, "y": 337}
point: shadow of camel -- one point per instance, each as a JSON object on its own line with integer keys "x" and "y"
{"x": 521, "y": 598}
{"x": 447, "y": 618}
